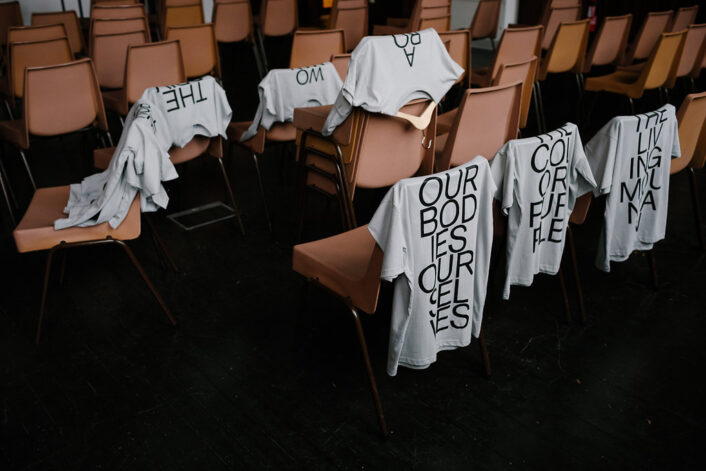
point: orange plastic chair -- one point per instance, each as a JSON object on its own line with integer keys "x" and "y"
{"x": 659, "y": 70}
{"x": 35, "y": 54}
{"x": 485, "y": 21}
{"x": 314, "y": 47}
{"x": 485, "y": 120}
{"x": 352, "y": 17}
{"x": 558, "y": 14}
{"x": 109, "y": 52}
{"x": 685, "y": 16}
{"x": 17, "y": 34}
{"x": 70, "y": 22}
{"x": 119, "y": 25}
{"x": 108, "y": 11}
{"x": 436, "y": 11}
{"x": 233, "y": 22}
{"x": 10, "y": 15}
{"x": 199, "y": 49}
{"x": 113, "y": 2}
{"x": 181, "y": 13}
{"x": 460, "y": 51}
{"x": 341, "y": 62}
{"x": 656, "y": 23}
{"x": 691, "y": 56}
{"x": 610, "y": 42}
{"x": 516, "y": 45}
{"x": 436, "y": 16}
{"x": 276, "y": 18}
{"x": 526, "y": 72}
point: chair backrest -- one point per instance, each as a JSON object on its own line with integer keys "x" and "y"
{"x": 517, "y": 45}
{"x": 661, "y": 67}
{"x": 568, "y": 49}
{"x": 70, "y": 22}
{"x": 459, "y": 49}
{"x": 340, "y": 62}
{"x": 526, "y": 72}
{"x": 35, "y": 54}
{"x": 315, "y": 47}
{"x": 685, "y": 16}
{"x": 182, "y": 15}
{"x": 152, "y": 65}
{"x": 104, "y": 12}
{"x": 35, "y": 33}
{"x": 232, "y": 21}
{"x": 692, "y": 132}
{"x": 558, "y": 15}
{"x": 10, "y": 15}
{"x": 279, "y": 17}
{"x": 693, "y": 45}
{"x": 610, "y": 42}
{"x": 352, "y": 17}
{"x": 199, "y": 49}
{"x": 486, "y": 119}
{"x": 62, "y": 98}
{"x": 113, "y": 2}
{"x": 435, "y": 14}
{"x": 485, "y": 19}
{"x": 118, "y": 26}
{"x": 655, "y": 24}
{"x": 549, "y": 4}
{"x": 109, "y": 53}
{"x": 390, "y": 149}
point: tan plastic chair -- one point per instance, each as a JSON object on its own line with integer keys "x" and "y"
{"x": 147, "y": 65}
{"x": 485, "y": 21}
{"x": 690, "y": 58}
{"x": 276, "y": 18}
{"x": 17, "y": 34}
{"x": 341, "y": 62}
{"x": 459, "y": 49}
{"x": 58, "y": 99}
{"x": 656, "y": 23}
{"x": 70, "y": 22}
{"x": 352, "y": 17}
{"x": 199, "y": 49}
{"x": 516, "y": 45}
{"x": 118, "y": 26}
{"x": 610, "y": 42}
{"x": 233, "y": 22}
{"x": 436, "y": 13}
{"x": 557, "y": 15}
{"x": 35, "y": 232}
{"x": 659, "y": 70}
{"x": 108, "y": 11}
{"x": 10, "y": 15}
{"x": 314, "y": 47}
{"x": 109, "y": 53}
{"x": 526, "y": 72}
{"x": 113, "y": 2}
{"x": 685, "y": 16}
{"x": 181, "y": 13}
{"x": 485, "y": 120}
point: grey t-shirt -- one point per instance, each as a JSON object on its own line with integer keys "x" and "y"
{"x": 436, "y": 233}
{"x": 282, "y": 90}
{"x": 630, "y": 158}
{"x": 387, "y": 72}
{"x": 539, "y": 179}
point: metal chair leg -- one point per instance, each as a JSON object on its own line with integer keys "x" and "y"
{"x": 5, "y": 194}
{"x": 652, "y": 261}
{"x": 577, "y": 279}
{"x": 159, "y": 243}
{"x": 368, "y": 366}
{"x": 42, "y": 305}
{"x": 541, "y": 107}
{"x": 631, "y": 106}
{"x": 147, "y": 280}
{"x": 484, "y": 353}
{"x": 698, "y": 219}
{"x": 535, "y": 98}
{"x": 29, "y": 172}
{"x": 110, "y": 138}
{"x": 564, "y": 295}
{"x": 230, "y": 195}
{"x": 262, "y": 191}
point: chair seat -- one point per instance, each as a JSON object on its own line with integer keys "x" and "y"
{"x": 14, "y": 132}
{"x": 279, "y": 132}
{"x": 632, "y": 67}
{"x": 115, "y": 100}
{"x": 622, "y": 82}
{"x": 341, "y": 263}
{"x": 480, "y": 77}
{"x": 445, "y": 121}
{"x": 36, "y": 229}
{"x": 194, "y": 148}
{"x": 314, "y": 117}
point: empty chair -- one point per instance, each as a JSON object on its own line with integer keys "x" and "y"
{"x": 70, "y": 22}
{"x": 436, "y": 15}
{"x": 233, "y": 22}
{"x": 429, "y": 10}
{"x": 352, "y": 17}
{"x": 526, "y": 72}
{"x": 119, "y": 25}
{"x": 107, "y": 11}
{"x": 685, "y": 16}
{"x": 609, "y": 44}
{"x": 10, "y": 15}
{"x": 113, "y": 2}
{"x": 109, "y": 52}
{"x": 516, "y": 45}
{"x": 18, "y": 34}
{"x": 180, "y": 13}
{"x": 691, "y": 56}
{"x": 656, "y": 23}
{"x": 558, "y": 14}
{"x": 276, "y": 18}
{"x": 340, "y": 62}
{"x": 485, "y": 21}
{"x": 198, "y": 48}
{"x": 315, "y": 47}
{"x": 659, "y": 70}
{"x": 485, "y": 120}
{"x": 460, "y": 51}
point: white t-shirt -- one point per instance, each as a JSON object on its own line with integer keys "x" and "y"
{"x": 539, "y": 179}
{"x": 630, "y": 157}
{"x": 282, "y": 90}
{"x": 436, "y": 233}
{"x": 387, "y": 72}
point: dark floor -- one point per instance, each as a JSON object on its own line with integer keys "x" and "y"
{"x": 113, "y": 385}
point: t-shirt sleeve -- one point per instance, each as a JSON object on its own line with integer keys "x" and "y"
{"x": 581, "y": 175}
{"x": 503, "y": 173}
{"x": 387, "y": 229}
{"x": 601, "y": 153}
{"x": 676, "y": 145}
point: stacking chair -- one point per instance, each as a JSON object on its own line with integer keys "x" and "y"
{"x": 659, "y": 70}
{"x": 113, "y": 2}
{"x": 549, "y": 4}
{"x": 199, "y": 49}
{"x": 485, "y": 21}
{"x": 341, "y": 62}
{"x": 103, "y": 11}
{"x": 691, "y": 56}
{"x": 427, "y": 13}
{"x": 609, "y": 44}
{"x": 233, "y": 22}
{"x": 485, "y": 120}
{"x": 437, "y": 15}
{"x": 460, "y": 51}
{"x": 276, "y": 18}
{"x": 180, "y": 13}
{"x": 656, "y": 23}
{"x": 559, "y": 13}
{"x": 10, "y": 15}
{"x": 109, "y": 52}
{"x": 118, "y": 26}
{"x": 685, "y": 16}
{"x": 70, "y": 22}
{"x": 315, "y": 47}
{"x": 516, "y": 45}
{"x": 17, "y": 34}
{"x": 526, "y": 72}
{"x": 352, "y": 17}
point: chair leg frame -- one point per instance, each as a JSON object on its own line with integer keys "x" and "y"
{"x": 226, "y": 180}
{"x": 262, "y": 190}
